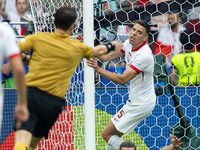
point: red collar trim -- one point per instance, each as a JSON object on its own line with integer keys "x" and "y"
{"x": 133, "y": 50}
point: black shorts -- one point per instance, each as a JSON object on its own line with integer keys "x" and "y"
{"x": 44, "y": 110}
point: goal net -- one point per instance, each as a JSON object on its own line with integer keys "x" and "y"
{"x": 113, "y": 20}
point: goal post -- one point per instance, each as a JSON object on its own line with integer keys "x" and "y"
{"x": 89, "y": 86}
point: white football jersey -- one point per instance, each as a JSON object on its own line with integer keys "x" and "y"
{"x": 8, "y": 45}
{"x": 142, "y": 61}
{"x": 8, "y": 49}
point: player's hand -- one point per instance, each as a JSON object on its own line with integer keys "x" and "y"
{"x": 21, "y": 114}
{"x": 175, "y": 141}
{"x": 118, "y": 45}
{"x": 79, "y": 37}
{"x": 92, "y": 62}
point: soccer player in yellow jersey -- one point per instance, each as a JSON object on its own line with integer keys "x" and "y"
{"x": 186, "y": 65}
{"x": 54, "y": 59}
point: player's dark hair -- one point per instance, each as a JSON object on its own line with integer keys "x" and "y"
{"x": 127, "y": 144}
{"x": 187, "y": 39}
{"x": 145, "y": 25}
{"x": 17, "y": 0}
{"x": 65, "y": 17}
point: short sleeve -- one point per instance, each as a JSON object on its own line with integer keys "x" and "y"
{"x": 11, "y": 48}
{"x": 87, "y": 51}
{"x": 28, "y": 42}
{"x": 140, "y": 62}
{"x": 123, "y": 49}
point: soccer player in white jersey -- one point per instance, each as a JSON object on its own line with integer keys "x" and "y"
{"x": 139, "y": 71}
{"x": 9, "y": 49}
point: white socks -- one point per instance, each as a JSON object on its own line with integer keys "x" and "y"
{"x": 114, "y": 143}
{"x": 108, "y": 147}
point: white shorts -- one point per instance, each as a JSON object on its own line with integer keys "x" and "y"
{"x": 130, "y": 116}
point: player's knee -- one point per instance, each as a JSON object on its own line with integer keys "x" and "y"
{"x": 23, "y": 136}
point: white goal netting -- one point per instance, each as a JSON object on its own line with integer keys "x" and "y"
{"x": 113, "y": 20}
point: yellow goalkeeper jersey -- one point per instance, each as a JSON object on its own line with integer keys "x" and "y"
{"x": 54, "y": 59}
{"x": 188, "y": 66}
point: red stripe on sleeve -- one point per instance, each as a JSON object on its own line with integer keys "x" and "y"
{"x": 14, "y": 55}
{"x": 136, "y": 69}
{"x": 122, "y": 51}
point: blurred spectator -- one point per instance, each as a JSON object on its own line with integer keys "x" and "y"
{"x": 10, "y": 6}
{"x": 7, "y": 71}
{"x": 37, "y": 9}
{"x": 167, "y": 42}
{"x": 186, "y": 65}
{"x": 130, "y": 4}
{"x": 157, "y": 23}
{"x": 109, "y": 7}
{"x": 124, "y": 29}
{"x": 125, "y": 5}
{"x": 21, "y": 6}
{"x": 104, "y": 6}
{"x": 194, "y": 24}
{"x": 1, "y": 18}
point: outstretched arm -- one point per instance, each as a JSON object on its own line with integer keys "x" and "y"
{"x": 100, "y": 50}
{"x": 175, "y": 143}
{"x": 121, "y": 79}
{"x": 113, "y": 54}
